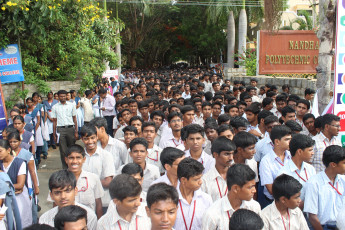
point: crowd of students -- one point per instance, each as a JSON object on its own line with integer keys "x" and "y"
{"x": 178, "y": 149}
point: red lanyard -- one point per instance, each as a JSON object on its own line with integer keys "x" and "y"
{"x": 175, "y": 143}
{"x": 136, "y": 223}
{"x": 279, "y": 162}
{"x": 326, "y": 144}
{"x": 154, "y": 159}
{"x": 83, "y": 189}
{"x": 335, "y": 188}
{"x": 228, "y": 214}
{"x": 191, "y": 222}
{"x": 288, "y": 218}
{"x": 220, "y": 193}
{"x": 302, "y": 177}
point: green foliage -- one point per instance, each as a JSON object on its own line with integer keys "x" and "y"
{"x": 17, "y": 94}
{"x": 60, "y": 39}
{"x": 248, "y": 60}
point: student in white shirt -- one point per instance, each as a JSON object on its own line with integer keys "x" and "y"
{"x": 245, "y": 150}
{"x": 162, "y": 205}
{"x": 98, "y": 161}
{"x": 71, "y": 217}
{"x": 241, "y": 185}
{"x": 129, "y": 132}
{"x": 284, "y": 212}
{"x": 174, "y": 140}
{"x": 170, "y": 158}
{"x": 149, "y": 132}
{"x": 62, "y": 187}
{"x": 225, "y": 131}
{"x": 158, "y": 117}
{"x": 138, "y": 153}
{"x": 214, "y": 181}
{"x": 137, "y": 172}
{"x": 275, "y": 159}
{"x": 194, "y": 139}
{"x": 244, "y": 219}
{"x": 125, "y": 210}
{"x": 193, "y": 202}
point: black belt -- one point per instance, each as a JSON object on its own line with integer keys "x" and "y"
{"x": 330, "y": 226}
{"x": 66, "y": 126}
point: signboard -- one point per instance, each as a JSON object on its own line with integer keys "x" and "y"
{"x": 111, "y": 73}
{"x": 3, "y": 113}
{"x": 288, "y": 51}
{"x": 339, "y": 74}
{"x": 10, "y": 64}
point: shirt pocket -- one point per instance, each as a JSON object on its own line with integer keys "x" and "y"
{"x": 87, "y": 198}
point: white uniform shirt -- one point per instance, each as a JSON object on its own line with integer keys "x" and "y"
{"x": 153, "y": 157}
{"x": 48, "y": 217}
{"x": 113, "y": 221}
{"x": 214, "y": 184}
{"x": 274, "y": 220}
{"x": 201, "y": 201}
{"x": 254, "y": 166}
{"x": 218, "y": 215}
{"x": 206, "y": 160}
{"x": 165, "y": 179}
{"x": 117, "y": 149}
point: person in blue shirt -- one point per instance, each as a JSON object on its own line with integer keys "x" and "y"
{"x": 325, "y": 192}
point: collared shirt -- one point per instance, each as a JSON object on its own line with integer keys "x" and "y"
{"x": 269, "y": 168}
{"x": 165, "y": 179}
{"x": 159, "y": 135}
{"x": 322, "y": 199}
{"x": 201, "y": 201}
{"x": 113, "y": 221}
{"x": 64, "y": 113}
{"x": 218, "y": 215}
{"x": 88, "y": 110}
{"x": 254, "y": 166}
{"x": 109, "y": 104}
{"x": 214, "y": 184}
{"x": 303, "y": 175}
{"x": 171, "y": 142}
{"x": 49, "y": 216}
{"x": 263, "y": 147}
{"x": 207, "y": 148}
{"x": 186, "y": 96}
{"x": 117, "y": 149}
{"x": 300, "y": 122}
{"x": 153, "y": 157}
{"x": 100, "y": 163}
{"x": 199, "y": 120}
{"x": 274, "y": 220}
{"x": 321, "y": 142}
{"x": 206, "y": 160}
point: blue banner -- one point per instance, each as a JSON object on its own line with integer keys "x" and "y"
{"x": 3, "y": 122}
{"x": 10, "y": 65}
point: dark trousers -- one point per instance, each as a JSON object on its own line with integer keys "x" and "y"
{"x": 51, "y": 141}
{"x": 38, "y": 154}
{"x": 65, "y": 141}
{"x": 110, "y": 125}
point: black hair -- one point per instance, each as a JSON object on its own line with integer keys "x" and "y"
{"x": 99, "y": 122}
{"x": 15, "y": 110}
{"x": 300, "y": 141}
{"x": 130, "y": 129}
{"x": 263, "y": 114}
{"x": 62, "y": 179}
{"x": 285, "y": 186}
{"x": 174, "y": 114}
{"x": 228, "y": 107}
{"x": 187, "y": 108}
{"x": 136, "y": 118}
{"x": 138, "y": 141}
{"x": 18, "y": 117}
{"x": 188, "y": 168}
{"x": 333, "y": 153}
{"x": 147, "y": 124}
{"x": 211, "y": 125}
{"x": 169, "y": 155}
{"x": 61, "y": 92}
{"x": 304, "y": 101}
{"x": 223, "y": 118}
{"x": 328, "y": 118}
{"x": 157, "y": 113}
{"x": 294, "y": 126}
{"x": 253, "y": 108}
{"x": 88, "y": 130}
{"x": 279, "y": 131}
{"x": 221, "y": 144}
{"x": 88, "y": 92}
{"x": 270, "y": 94}
{"x": 75, "y": 149}
{"x": 281, "y": 98}
{"x": 123, "y": 186}
{"x": 10, "y": 129}
{"x": 5, "y": 144}
{"x": 307, "y": 116}
{"x": 285, "y": 86}
{"x": 223, "y": 128}
{"x": 206, "y": 103}
{"x": 266, "y": 101}
{"x": 244, "y": 139}
{"x": 270, "y": 119}
{"x": 318, "y": 122}
{"x": 132, "y": 168}
{"x": 161, "y": 192}
{"x": 14, "y": 135}
{"x": 216, "y": 103}
{"x": 245, "y": 219}
{"x": 102, "y": 91}
{"x": 143, "y": 104}
{"x": 308, "y": 91}
{"x": 210, "y": 120}
{"x": 287, "y": 109}
{"x": 238, "y": 122}
{"x": 39, "y": 227}
{"x": 239, "y": 174}
{"x": 71, "y": 213}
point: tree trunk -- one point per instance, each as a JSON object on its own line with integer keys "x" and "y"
{"x": 242, "y": 32}
{"x": 325, "y": 35}
{"x": 231, "y": 40}
{"x": 132, "y": 61}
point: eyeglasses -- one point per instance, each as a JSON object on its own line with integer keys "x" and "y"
{"x": 175, "y": 121}
{"x": 337, "y": 126}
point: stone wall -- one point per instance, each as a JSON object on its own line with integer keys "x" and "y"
{"x": 55, "y": 86}
{"x": 297, "y": 85}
